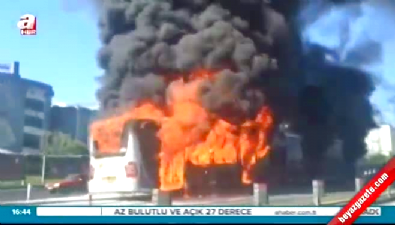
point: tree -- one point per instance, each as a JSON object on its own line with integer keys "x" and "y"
{"x": 57, "y": 143}
{"x": 377, "y": 159}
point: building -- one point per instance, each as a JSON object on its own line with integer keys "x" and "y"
{"x": 24, "y": 110}
{"x": 381, "y": 141}
{"x": 72, "y": 120}
{"x": 294, "y": 152}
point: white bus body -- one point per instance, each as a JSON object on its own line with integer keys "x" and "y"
{"x": 121, "y": 172}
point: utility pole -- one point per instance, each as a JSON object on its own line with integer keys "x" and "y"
{"x": 43, "y": 168}
{"x": 43, "y": 154}
{"x": 77, "y": 123}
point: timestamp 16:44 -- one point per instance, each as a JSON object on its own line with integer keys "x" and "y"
{"x": 20, "y": 212}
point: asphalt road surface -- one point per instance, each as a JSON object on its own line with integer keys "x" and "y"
{"x": 36, "y": 193}
{"x": 285, "y": 197}
{"x": 246, "y": 200}
{"x": 292, "y": 196}
{"x": 279, "y": 200}
{"x": 41, "y": 193}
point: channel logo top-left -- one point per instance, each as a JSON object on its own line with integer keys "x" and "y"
{"x": 27, "y": 24}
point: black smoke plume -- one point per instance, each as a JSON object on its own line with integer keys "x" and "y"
{"x": 334, "y": 104}
{"x": 146, "y": 42}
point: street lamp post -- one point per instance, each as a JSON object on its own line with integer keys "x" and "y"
{"x": 43, "y": 151}
{"x": 43, "y": 168}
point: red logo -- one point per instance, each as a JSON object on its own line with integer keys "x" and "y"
{"x": 27, "y": 24}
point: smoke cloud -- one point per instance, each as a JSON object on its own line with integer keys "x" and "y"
{"x": 146, "y": 42}
{"x": 358, "y": 32}
{"x": 355, "y": 34}
{"x": 262, "y": 54}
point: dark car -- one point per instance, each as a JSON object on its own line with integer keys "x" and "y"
{"x": 71, "y": 183}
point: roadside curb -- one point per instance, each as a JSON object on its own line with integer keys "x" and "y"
{"x": 18, "y": 188}
{"x": 379, "y": 201}
{"x": 390, "y": 199}
{"x": 13, "y": 189}
{"x": 336, "y": 202}
{"x": 76, "y": 199}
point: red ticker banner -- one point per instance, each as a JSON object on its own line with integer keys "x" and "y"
{"x": 366, "y": 196}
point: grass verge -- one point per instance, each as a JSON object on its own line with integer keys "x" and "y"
{"x": 16, "y": 184}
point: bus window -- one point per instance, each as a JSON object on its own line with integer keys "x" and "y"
{"x": 96, "y": 153}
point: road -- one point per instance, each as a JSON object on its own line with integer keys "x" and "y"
{"x": 285, "y": 197}
{"x": 283, "y": 190}
{"x": 36, "y": 193}
{"x": 41, "y": 193}
{"x": 279, "y": 199}
{"x": 339, "y": 199}
{"x": 247, "y": 200}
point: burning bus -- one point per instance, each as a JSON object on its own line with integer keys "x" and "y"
{"x": 209, "y": 78}
{"x": 177, "y": 146}
{"x": 131, "y": 167}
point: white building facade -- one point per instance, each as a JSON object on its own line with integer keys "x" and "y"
{"x": 381, "y": 140}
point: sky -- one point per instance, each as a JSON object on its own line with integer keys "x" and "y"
{"x": 371, "y": 24}
{"x": 62, "y": 54}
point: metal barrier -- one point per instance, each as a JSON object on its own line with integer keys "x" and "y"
{"x": 28, "y": 190}
{"x": 162, "y": 198}
{"x": 260, "y": 196}
{"x": 318, "y": 192}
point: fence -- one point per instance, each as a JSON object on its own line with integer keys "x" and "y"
{"x": 11, "y": 167}
{"x": 17, "y": 167}
{"x": 55, "y": 166}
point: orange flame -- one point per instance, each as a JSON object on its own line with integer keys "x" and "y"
{"x": 107, "y": 132}
{"x": 189, "y": 133}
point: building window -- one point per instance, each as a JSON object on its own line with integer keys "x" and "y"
{"x": 34, "y": 104}
{"x": 31, "y": 141}
{"x": 33, "y": 121}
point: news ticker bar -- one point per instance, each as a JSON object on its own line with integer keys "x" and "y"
{"x": 196, "y": 211}
{"x": 226, "y": 214}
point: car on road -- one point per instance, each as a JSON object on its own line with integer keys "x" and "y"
{"x": 71, "y": 183}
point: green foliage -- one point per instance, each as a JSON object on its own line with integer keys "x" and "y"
{"x": 377, "y": 159}
{"x": 61, "y": 144}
